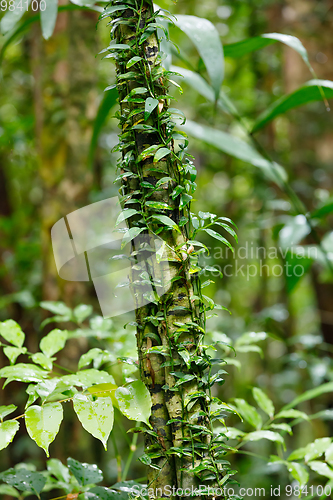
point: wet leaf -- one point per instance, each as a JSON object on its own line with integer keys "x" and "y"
{"x": 85, "y": 473}
{"x": 95, "y": 416}
{"x": 8, "y": 430}
{"x": 134, "y": 401}
{"x": 43, "y": 423}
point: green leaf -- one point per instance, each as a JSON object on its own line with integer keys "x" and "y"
{"x": 250, "y": 338}
{"x": 150, "y": 105}
{"x": 135, "y": 402}
{"x": 243, "y": 47}
{"x": 82, "y": 311}
{"x": 48, "y": 18}
{"x": 43, "y": 423}
{"x": 56, "y": 308}
{"x": 24, "y": 480}
{"x": 218, "y": 236}
{"x": 310, "y": 92}
{"x": 307, "y": 395}
{"x": 207, "y": 41}
{"x": 317, "y": 448}
{"x": 6, "y": 489}
{"x": 270, "y": 435}
{"x": 8, "y": 430}
{"x": 237, "y": 148}
{"x": 298, "y": 472}
{"x": 11, "y": 17}
{"x": 263, "y": 401}
{"x": 292, "y": 414}
{"x": 133, "y": 61}
{"x": 23, "y": 372}
{"x": 125, "y": 214}
{"x": 323, "y": 209}
{"x": 249, "y": 413}
{"x": 44, "y": 361}
{"x": 321, "y": 468}
{"x": 6, "y": 410}
{"x": 53, "y": 342}
{"x": 166, "y": 221}
{"x": 84, "y": 473}
{"x": 95, "y": 416}
{"x": 282, "y": 427}
{"x": 109, "y": 100}
{"x": 161, "y": 153}
{"x": 86, "y": 378}
{"x": 159, "y": 205}
{"x": 57, "y": 469}
{"x": 12, "y": 353}
{"x": 12, "y": 332}
{"x": 131, "y": 233}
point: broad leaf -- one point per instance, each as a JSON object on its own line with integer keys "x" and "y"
{"x": 82, "y": 311}
{"x": 48, "y": 18}
{"x": 298, "y": 472}
{"x": 329, "y": 455}
{"x": 249, "y": 413}
{"x": 263, "y": 401}
{"x": 24, "y": 480}
{"x": 44, "y": 361}
{"x": 11, "y": 17}
{"x": 270, "y": 435}
{"x": 6, "y": 410}
{"x": 87, "y": 378}
{"x": 43, "y": 423}
{"x": 95, "y": 416}
{"x": 237, "y": 148}
{"x": 243, "y": 47}
{"x": 134, "y": 401}
{"x": 131, "y": 233}
{"x": 150, "y": 105}
{"x": 166, "y": 221}
{"x": 307, "y": 395}
{"x": 53, "y": 342}
{"x": 321, "y": 468}
{"x": 12, "y": 332}
{"x": 317, "y": 448}
{"x": 23, "y": 372}
{"x": 207, "y": 41}
{"x": 8, "y": 430}
{"x": 125, "y": 214}
{"x": 161, "y": 153}
{"x": 85, "y": 473}
{"x": 12, "y": 353}
{"x": 109, "y": 100}
{"x": 292, "y": 414}
{"x": 56, "y": 308}
{"x": 218, "y": 237}
{"x": 311, "y": 91}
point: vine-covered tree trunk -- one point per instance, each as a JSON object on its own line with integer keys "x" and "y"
{"x": 157, "y": 187}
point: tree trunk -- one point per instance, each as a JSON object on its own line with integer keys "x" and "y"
{"x": 172, "y": 324}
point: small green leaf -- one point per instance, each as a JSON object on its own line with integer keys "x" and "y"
{"x": 321, "y": 468}
{"x": 282, "y": 427}
{"x": 53, "y": 342}
{"x": 12, "y": 332}
{"x": 329, "y": 455}
{"x": 159, "y": 205}
{"x": 125, "y": 214}
{"x": 24, "y": 480}
{"x": 8, "y": 430}
{"x": 134, "y": 401}
{"x": 249, "y": 413}
{"x": 12, "y": 353}
{"x": 23, "y": 372}
{"x": 217, "y": 236}
{"x": 317, "y": 448}
{"x": 312, "y": 393}
{"x": 131, "y": 233}
{"x": 56, "y": 308}
{"x": 150, "y": 105}
{"x": 44, "y": 361}
{"x": 12, "y": 17}
{"x": 298, "y": 472}
{"x": 43, "y": 423}
{"x": 263, "y": 401}
{"x": 133, "y": 61}
{"x": 84, "y": 473}
{"x": 95, "y": 416}
{"x": 166, "y": 221}
{"x": 270, "y": 435}
{"x": 48, "y": 18}
{"x": 6, "y": 410}
{"x": 82, "y": 311}
{"x": 292, "y": 414}
{"x": 161, "y": 153}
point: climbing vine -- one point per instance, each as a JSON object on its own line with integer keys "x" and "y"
{"x": 157, "y": 176}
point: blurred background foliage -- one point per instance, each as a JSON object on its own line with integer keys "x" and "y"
{"x": 49, "y": 101}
